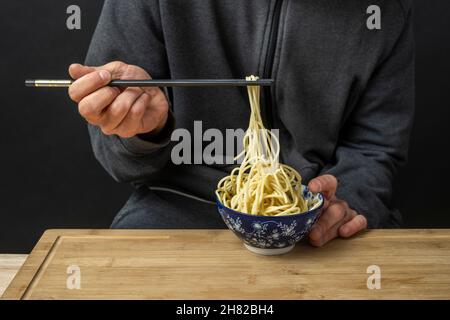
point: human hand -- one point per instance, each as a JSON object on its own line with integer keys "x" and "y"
{"x": 337, "y": 218}
{"x": 125, "y": 112}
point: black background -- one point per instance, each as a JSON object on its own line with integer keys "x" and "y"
{"x": 50, "y": 179}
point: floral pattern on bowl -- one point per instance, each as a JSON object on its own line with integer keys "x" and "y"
{"x": 277, "y": 234}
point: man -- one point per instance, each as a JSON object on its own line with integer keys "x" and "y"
{"x": 342, "y": 101}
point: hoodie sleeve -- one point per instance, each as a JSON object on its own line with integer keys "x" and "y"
{"x": 374, "y": 140}
{"x": 130, "y": 31}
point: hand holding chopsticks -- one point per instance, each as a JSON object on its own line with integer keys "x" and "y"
{"x": 139, "y": 107}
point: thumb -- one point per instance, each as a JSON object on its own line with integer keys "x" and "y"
{"x": 327, "y": 184}
{"x": 116, "y": 68}
{"x": 77, "y": 70}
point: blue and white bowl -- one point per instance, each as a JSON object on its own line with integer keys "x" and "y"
{"x": 273, "y": 235}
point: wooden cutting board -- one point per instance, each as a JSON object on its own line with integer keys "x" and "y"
{"x": 213, "y": 264}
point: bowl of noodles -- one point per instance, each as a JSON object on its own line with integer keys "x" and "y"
{"x": 262, "y": 200}
{"x": 273, "y": 235}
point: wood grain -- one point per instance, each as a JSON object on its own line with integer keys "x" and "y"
{"x": 9, "y": 266}
{"x": 212, "y": 264}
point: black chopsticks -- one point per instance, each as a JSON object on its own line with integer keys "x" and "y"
{"x": 159, "y": 83}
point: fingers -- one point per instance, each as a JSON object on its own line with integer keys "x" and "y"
{"x": 118, "y": 110}
{"x": 88, "y": 84}
{"x": 91, "y": 107}
{"x": 326, "y": 184}
{"x": 334, "y": 214}
{"x": 337, "y": 219}
{"x": 116, "y": 68}
{"x": 77, "y": 70}
{"x": 89, "y": 79}
{"x": 327, "y": 228}
{"x": 358, "y": 223}
{"x": 124, "y": 112}
{"x": 121, "y": 70}
{"x": 155, "y": 118}
{"x": 132, "y": 124}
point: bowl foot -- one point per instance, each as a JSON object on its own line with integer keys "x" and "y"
{"x": 269, "y": 252}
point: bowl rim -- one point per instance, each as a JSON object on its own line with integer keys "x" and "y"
{"x": 218, "y": 202}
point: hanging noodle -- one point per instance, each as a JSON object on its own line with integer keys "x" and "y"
{"x": 261, "y": 185}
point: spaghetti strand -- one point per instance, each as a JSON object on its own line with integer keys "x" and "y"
{"x": 261, "y": 185}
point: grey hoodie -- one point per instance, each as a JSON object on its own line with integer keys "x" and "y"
{"x": 343, "y": 98}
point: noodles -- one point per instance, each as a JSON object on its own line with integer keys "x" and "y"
{"x": 261, "y": 185}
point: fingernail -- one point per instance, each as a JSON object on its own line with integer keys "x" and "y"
{"x": 105, "y": 75}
